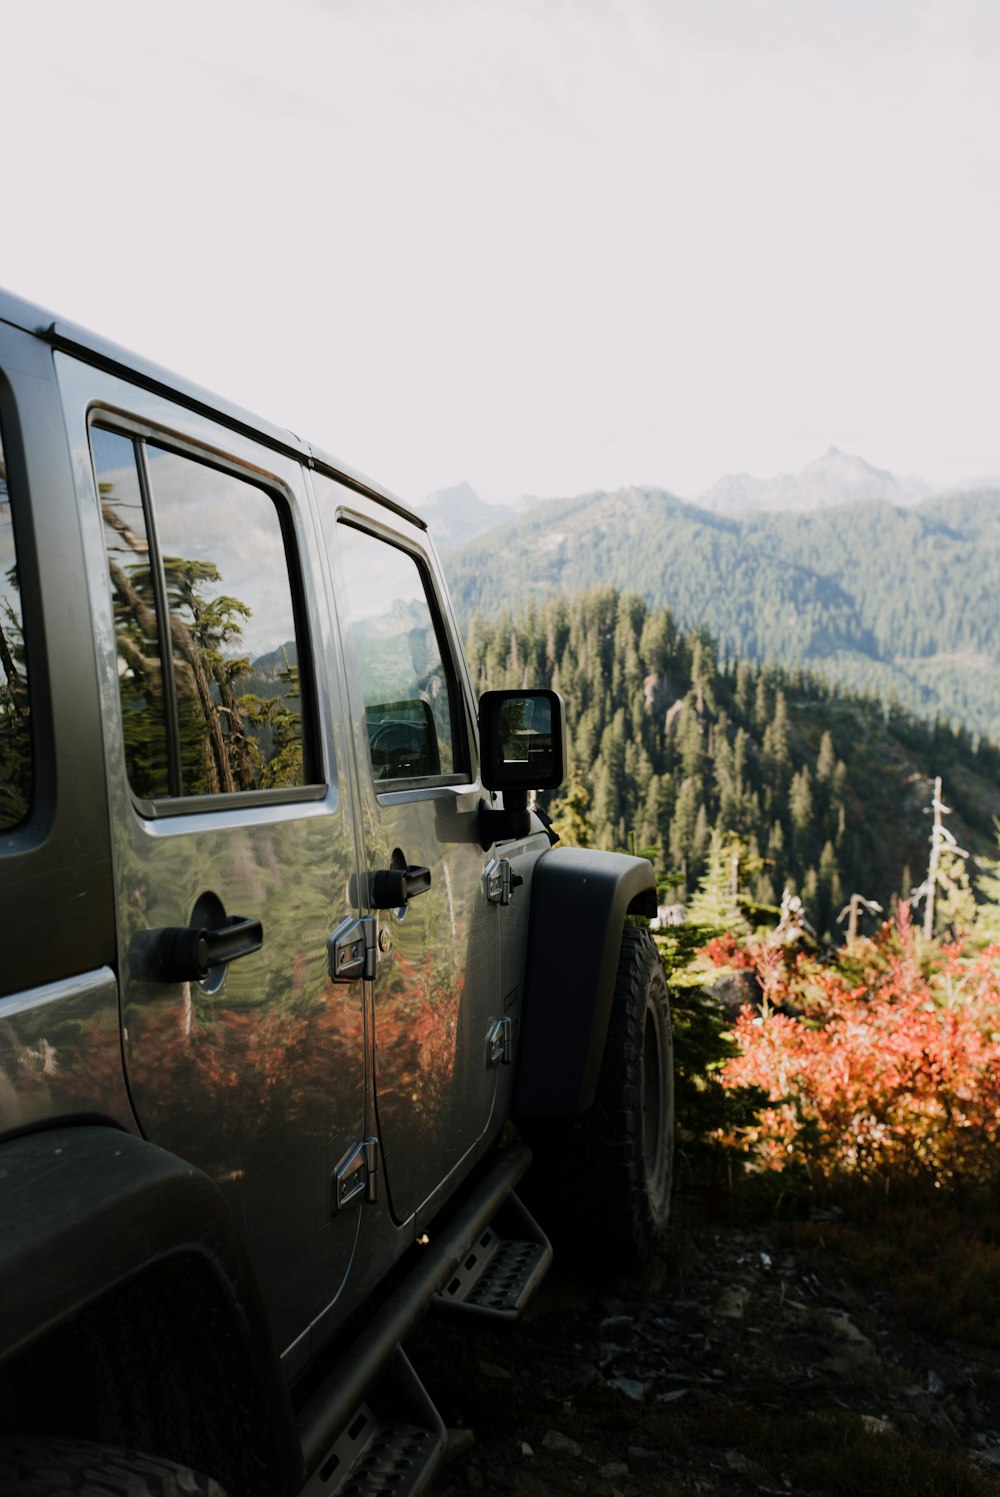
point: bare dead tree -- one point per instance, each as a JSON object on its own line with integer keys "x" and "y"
{"x": 853, "y": 908}
{"x": 941, "y": 838}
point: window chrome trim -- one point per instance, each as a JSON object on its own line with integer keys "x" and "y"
{"x": 115, "y": 419}
{"x": 461, "y": 745}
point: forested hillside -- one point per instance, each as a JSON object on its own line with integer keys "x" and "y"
{"x": 812, "y": 787}
{"x": 896, "y": 602}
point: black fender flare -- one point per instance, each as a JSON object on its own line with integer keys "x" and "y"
{"x": 87, "y": 1207}
{"x": 579, "y": 900}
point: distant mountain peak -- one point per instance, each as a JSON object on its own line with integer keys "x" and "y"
{"x": 456, "y": 493}
{"x": 457, "y": 514}
{"x": 837, "y": 477}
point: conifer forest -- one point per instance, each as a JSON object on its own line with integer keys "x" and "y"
{"x": 743, "y": 780}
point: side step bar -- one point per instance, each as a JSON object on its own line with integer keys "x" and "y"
{"x": 502, "y": 1268}
{"x": 338, "y": 1402}
{"x": 392, "y": 1444}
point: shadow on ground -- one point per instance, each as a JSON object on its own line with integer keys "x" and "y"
{"x": 731, "y": 1365}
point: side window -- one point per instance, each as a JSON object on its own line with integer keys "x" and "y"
{"x": 409, "y": 696}
{"x": 208, "y": 658}
{"x": 16, "y": 769}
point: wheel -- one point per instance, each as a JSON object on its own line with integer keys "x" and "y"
{"x": 602, "y": 1180}
{"x": 74, "y": 1468}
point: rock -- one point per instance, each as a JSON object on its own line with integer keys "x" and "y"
{"x": 582, "y": 1374}
{"x": 561, "y": 1444}
{"x": 853, "y": 1349}
{"x": 629, "y": 1386}
{"x": 458, "y": 1443}
{"x": 642, "y": 1462}
{"x": 491, "y": 1369}
{"x": 972, "y": 1409}
{"x": 843, "y": 1326}
{"x": 732, "y": 1303}
{"x": 875, "y": 1426}
{"x": 524, "y": 1449}
{"x": 734, "y": 991}
{"x": 613, "y": 1471}
{"x": 934, "y": 1384}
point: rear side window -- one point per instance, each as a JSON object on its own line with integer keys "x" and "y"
{"x": 205, "y": 623}
{"x": 16, "y": 771}
{"x": 410, "y": 696}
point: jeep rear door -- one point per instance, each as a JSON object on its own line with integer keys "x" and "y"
{"x": 437, "y": 1009}
{"x": 231, "y": 814}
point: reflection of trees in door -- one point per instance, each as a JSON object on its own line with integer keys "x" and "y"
{"x": 234, "y": 722}
{"x": 204, "y": 715}
{"x": 437, "y": 985}
{"x": 15, "y": 729}
{"x": 259, "y": 1079}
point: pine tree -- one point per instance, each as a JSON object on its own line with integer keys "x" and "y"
{"x": 571, "y": 811}
{"x": 682, "y": 827}
{"x": 714, "y": 902}
{"x": 826, "y": 759}
{"x": 800, "y": 808}
{"x": 830, "y": 891}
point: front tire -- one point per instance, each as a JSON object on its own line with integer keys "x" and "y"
{"x": 607, "y": 1173}
{"x": 58, "y": 1467}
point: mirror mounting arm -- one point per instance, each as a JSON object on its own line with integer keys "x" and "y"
{"x": 514, "y": 820}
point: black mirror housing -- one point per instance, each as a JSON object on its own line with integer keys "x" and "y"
{"x": 522, "y": 740}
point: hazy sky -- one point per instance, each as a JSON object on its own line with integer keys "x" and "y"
{"x": 540, "y": 245}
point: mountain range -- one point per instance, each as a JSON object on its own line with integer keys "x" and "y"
{"x": 457, "y": 514}
{"x": 899, "y": 601}
{"x": 835, "y": 478}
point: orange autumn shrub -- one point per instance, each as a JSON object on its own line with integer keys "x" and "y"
{"x": 728, "y": 950}
{"x": 885, "y": 1061}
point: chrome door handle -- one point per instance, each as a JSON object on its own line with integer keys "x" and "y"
{"x": 189, "y": 953}
{"x": 391, "y": 888}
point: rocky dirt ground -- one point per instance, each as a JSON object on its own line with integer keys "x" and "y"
{"x": 732, "y": 1365}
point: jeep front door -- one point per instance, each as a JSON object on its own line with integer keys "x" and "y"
{"x": 437, "y": 984}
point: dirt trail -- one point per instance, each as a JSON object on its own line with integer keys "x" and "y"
{"x": 730, "y": 1366}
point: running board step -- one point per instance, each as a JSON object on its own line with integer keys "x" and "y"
{"x": 503, "y": 1267}
{"x": 392, "y": 1444}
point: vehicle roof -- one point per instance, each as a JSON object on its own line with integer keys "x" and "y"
{"x": 111, "y": 356}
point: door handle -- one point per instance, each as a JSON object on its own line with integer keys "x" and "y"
{"x": 391, "y": 888}
{"x": 188, "y": 953}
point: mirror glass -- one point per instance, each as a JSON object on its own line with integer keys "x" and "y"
{"x": 526, "y": 737}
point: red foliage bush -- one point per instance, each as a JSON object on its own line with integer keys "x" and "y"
{"x": 728, "y": 951}
{"x": 891, "y": 1065}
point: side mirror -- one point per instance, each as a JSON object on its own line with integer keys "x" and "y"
{"x": 522, "y": 742}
